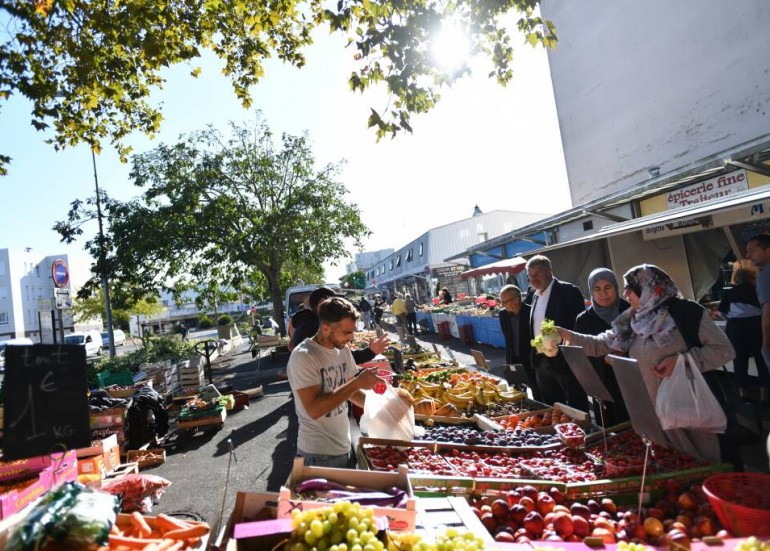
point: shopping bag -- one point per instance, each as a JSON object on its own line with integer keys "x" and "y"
{"x": 387, "y": 415}
{"x": 685, "y": 401}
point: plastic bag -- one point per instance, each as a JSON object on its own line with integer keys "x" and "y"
{"x": 70, "y": 515}
{"x": 685, "y": 400}
{"x": 137, "y": 492}
{"x": 387, "y": 415}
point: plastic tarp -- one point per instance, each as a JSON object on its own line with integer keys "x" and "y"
{"x": 508, "y": 266}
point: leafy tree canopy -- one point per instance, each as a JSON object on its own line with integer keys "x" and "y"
{"x": 353, "y": 280}
{"x": 225, "y": 212}
{"x": 89, "y": 67}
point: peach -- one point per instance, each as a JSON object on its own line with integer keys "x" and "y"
{"x": 527, "y": 503}
{"x": 604, "y": 534}
{"x": 580, "y": 510}
{"x": 653, "y": 526}
{"x": 534, "y": 523}
{"x": 580, "y": 525}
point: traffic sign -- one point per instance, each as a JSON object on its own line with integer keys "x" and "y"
{"x": 60, "y": 273}
{"x": 62, "y": 293}
{"x": 63, "y": 303}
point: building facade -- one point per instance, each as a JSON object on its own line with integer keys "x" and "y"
{"x": 421, "y": 267}
{"x": 26, "y": 294}
{"x": 666, "y": 137}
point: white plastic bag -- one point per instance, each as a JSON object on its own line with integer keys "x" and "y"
{"x": 685, "y": 400}
{"x": 387, "y": 415}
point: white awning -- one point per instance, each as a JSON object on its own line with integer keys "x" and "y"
{"x": 508, "y": 266}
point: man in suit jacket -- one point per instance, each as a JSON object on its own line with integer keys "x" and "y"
{"x": 514, "y": 322}
{"x": 561, "y": 302}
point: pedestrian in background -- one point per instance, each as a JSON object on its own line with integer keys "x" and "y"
{"x": 560, "y": 302}
{"x": 398, "y": 309}
{"x": 758, "y": 251}
{"x": 606, "y": 305}
{"x": 365, "y": 307}
{"x": 514, "y": 323}
{"x": 411, "y": 314}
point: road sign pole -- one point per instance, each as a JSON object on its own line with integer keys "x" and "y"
{"x": 53, "y": 327}
{"x": 61, "y": 324}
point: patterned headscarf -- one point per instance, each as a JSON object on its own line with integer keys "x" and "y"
{"x": 654, "y": 287}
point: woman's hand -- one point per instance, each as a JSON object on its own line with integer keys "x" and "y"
{"x": 565, "y": 334}
{"x": 665, "y": 367}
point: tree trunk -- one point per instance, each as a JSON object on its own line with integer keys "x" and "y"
{"x": 277, "y": 297}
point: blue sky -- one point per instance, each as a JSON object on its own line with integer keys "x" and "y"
{"x": 484, "y": 145}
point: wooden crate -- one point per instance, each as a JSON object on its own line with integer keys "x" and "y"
{"x": 146, "y": 458}
{"x": 204, "y": 422}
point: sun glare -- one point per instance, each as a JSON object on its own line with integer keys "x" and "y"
{"x": 451, "y": 48}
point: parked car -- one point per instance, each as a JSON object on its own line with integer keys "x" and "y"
{"x": 91, "y": 340}
{"x": 12, "y": 342}
{"x": 117, "y": 334}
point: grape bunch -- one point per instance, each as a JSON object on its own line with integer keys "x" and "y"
{"x": 451, "y": 540}
{"x": 630, "y": 546}
{"x": 753, "y": 544}
{"x": 345, "y": 526}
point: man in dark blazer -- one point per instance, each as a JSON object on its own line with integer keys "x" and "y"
{"x": 560, "y": 302}
{"x": 514, "y": 323}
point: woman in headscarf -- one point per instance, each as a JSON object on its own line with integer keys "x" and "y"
{"x": 648, "y": 333}
{"x": 606, "y": 305}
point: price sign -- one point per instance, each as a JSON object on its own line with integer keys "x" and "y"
{"x": 46, "y": 402}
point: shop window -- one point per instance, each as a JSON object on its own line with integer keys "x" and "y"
{"x": 398, "y": 261}
{"x": 3, "y": 318}
{"x": 390, "y": 266}
{"x": 421, "y": 250}
{"x": 37, "y": 271}
{"x": 410, "y": 255}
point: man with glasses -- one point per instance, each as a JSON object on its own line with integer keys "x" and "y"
{"x": 514, "y": 322}
{"x": 560, "y": 302}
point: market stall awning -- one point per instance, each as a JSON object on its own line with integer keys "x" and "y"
{"x": 508, "y": 266}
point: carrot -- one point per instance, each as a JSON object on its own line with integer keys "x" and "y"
{"x": 140, "y": 525}
{"x": 166, "y": 523}
{"x": 196, "y": 531}
{"x": 131, "y": 543}
{"x": 115, "y": 530}
{"x": 169, "y": 545}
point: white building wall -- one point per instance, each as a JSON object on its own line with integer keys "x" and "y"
{"x": 655, "y": 83}
{"x": 27, "y": 278}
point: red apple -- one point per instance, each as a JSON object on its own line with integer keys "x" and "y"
{"x": 529, "y": 491}
{"x": 593, "y": 506}
{"x": 557, "y": 495}
{"x": 545, "y": 504}
{"x": 606, "y": 535}
{"x": 505, "y": 536}
{"x": 580, "y": 510}
{"x": 500, "y": 509}
{"x": 563, "y": 524}
{"x": 490, "y": 522}
{"x": 527, "y": 503}
{"x": 534, "y": 523}
{"x": 580, "y": 526}
{"x": 518, "y": 512}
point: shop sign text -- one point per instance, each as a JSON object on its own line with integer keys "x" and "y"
{"x": 708, "y": 190}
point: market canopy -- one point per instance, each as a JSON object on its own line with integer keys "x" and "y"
{"x": 510, "y": 266}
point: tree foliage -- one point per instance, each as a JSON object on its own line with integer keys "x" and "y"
{"x": 234, "y": 213}
{"x": 91, "y": 307}
{"x": 353, "y": 280}
{"x": 89, "y": 67}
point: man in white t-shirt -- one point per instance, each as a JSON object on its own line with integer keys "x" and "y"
{"x": 323, "y": 376}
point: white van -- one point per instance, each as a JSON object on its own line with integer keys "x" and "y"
{"x": 11, "y": 342}
{"x": 92, "y": 340}
{"x": 299, "y": 294}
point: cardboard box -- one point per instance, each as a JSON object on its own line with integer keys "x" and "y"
{"x": 108, "y": 418}
{"x": 92, "y": 465}
{"x": 399, "y": 520}
{"x": 22, "y": 467}
{"x": 16, "y": 500}
{"x": 105, "y": 444}
{"x": 65, "y": 468}
{"x": 249, "y": 507}
{"x": 434, "y": 515}
{"x": 124, "y": 522}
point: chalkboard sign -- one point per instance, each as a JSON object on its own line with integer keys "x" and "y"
{"x": 46, "y": 400}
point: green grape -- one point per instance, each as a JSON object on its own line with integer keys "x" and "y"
{"x": 317, "y": 527}
{"x": 334, "y": 548}
{"x": 356, "y": 547}
{"x": 342, "y": 547}
{"x": 753, "y": 544}
{"x": 353, "y": 522}
{"x": 336, "y": 536}
{"x": 352, "y": 535}
{"x": 310, "y": 538}
{"x": 333, "y": 518}
{"x": 368, "y": 547}
{"x": 322, "y": 545}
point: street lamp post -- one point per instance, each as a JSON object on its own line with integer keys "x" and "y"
{"x": 105, "y": 284}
